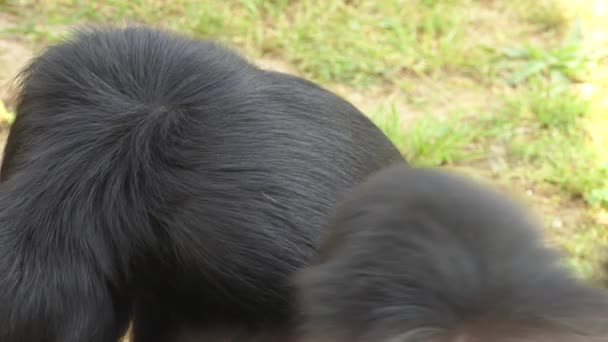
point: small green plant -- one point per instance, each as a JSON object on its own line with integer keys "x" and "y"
{"x": 432, "y": 141}
{"x": 558, "y": 108}
{"x": 598, "y": 192}
{"x": 388, "y": 119}
{"x": 565, "y": 159}
{"x": 571, "y": 61}
{"x": 555, "y": 105}
{"x": 551, "y": 104}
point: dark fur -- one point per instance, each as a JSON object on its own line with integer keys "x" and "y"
{"x": 170, "y": 176}
{"x": 423, "y": 255}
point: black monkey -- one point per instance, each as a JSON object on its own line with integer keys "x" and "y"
{"x": 423, "y": 255}
{"x": 166, "y": 179}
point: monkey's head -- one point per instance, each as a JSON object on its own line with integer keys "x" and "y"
{"x": 426, "y": 256}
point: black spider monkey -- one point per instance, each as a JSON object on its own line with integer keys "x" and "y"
{"x": 164, "y": 179}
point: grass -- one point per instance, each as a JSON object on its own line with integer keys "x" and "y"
{"x": 520, "y": 119}
{"x": 322, "y": 38}
{"x": 432, "y": 141}
{"x": 572, "y": 60}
